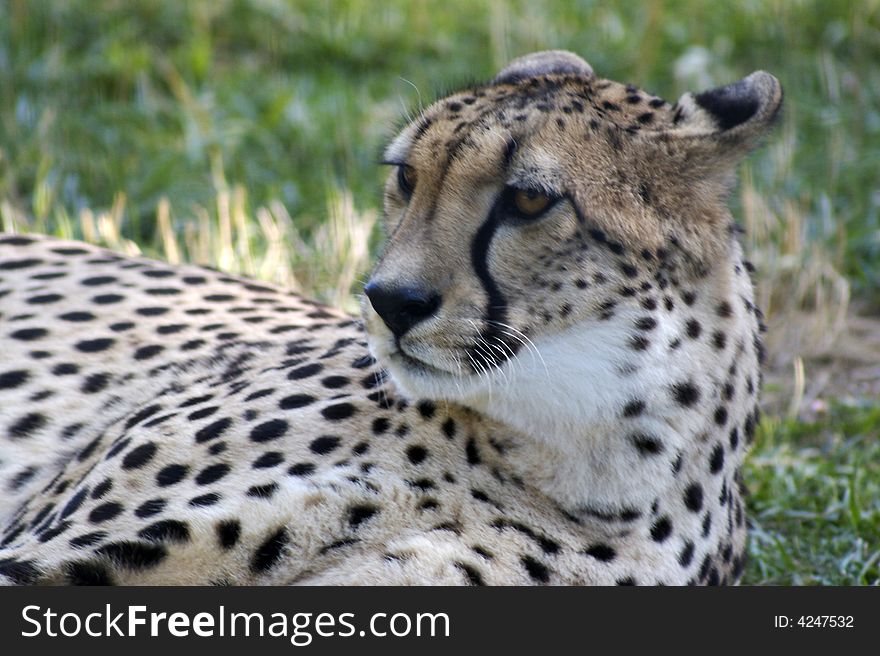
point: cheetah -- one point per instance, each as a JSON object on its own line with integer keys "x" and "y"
{"x": 554, "y": 380}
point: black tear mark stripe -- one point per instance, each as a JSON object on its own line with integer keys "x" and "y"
{"x": 496, "y": 303}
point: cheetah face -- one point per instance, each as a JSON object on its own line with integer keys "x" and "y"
{"x": 539, "y": 210}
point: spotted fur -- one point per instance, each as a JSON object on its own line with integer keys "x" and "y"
{"x": 572, "y": 407}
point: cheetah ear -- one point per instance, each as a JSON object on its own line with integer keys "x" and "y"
{"x": 546, "y": 62}
{"x": 729, "y": 121}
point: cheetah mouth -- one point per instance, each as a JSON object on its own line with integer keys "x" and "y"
{"x": 417, "y": 365}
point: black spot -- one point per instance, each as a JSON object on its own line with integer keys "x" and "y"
{"x": 94, "y": 345}
{"x": 204, "y": 500}
{"x": 335, "y": 382}
{"x": 150, "y": 508}
{"x": 133, "y": 555}
{"x": 360, "y": 513}
{"x": 380, "y": 425}
{"x": 363, "y": 362}
{"x": 646, "y": 323}
{"x": 141, "y": 415}
{"x": 704, "y": 566}
{"x": 661, "y": 529}
{"x": 426, "y": 408}
{"x": 473, "y": 454}
{"x": 693, "y": 328}
{"x": 87, "y": 539}
{"x": 139, "y": 456}
{"x": 693, "y": 497}
{"x": 104, "y": 512}
{"x": 301, "y": 469}
{"x": 305, "y": 372}
{"x": 167, "y": 530}
{"x": 686, "y": 556}
{"x": 13, "y": 265}
{"x": 645, "y": 118}
{"x": 269, "y": 552}
{"x": 76, "y": 317}
{"x": 270, "y": 430}
{"x": 65, "y": 369}
{"x": 12, "y": 379}
{"x": 639, "y": 343}
{"x": 88, "y": 449}
{"x": 212, "y": 474}
{"x": 734, "y": 438}
{"x": 472, "y": 575}
{"x": 537, "y": 571}
{"x": 95, "y": 383}
{"x": 202, "y": 413}
{"x": 170, "y": 329}
{"x": 707, "y": 524}
{"x": 213, "y": 430}
{"x": 259, "y": 394}
{"x": 27, "y": 425}
{"x": 627, "y": 581}
{"x": 338, "y": 411}
{"x": 262, "y": 491}
{"x": 749, "y": 428}
{"x": 634, "y": 408}
{"x": 171, "y": 474}
{"x": 228, "y": 533}
{"x": 17, "y": 241}
{"x": 29, "y": 334}
{"x": 121, "y": 326}
{"x": 152, "y": 311}
{"x": 147, "y": 352}
{"x": 719, "y": 340}
{"x": 324, "y": 444}
{"x": 720, "y": 415}
{"x": 685, "y": 394}
{"x": 75, "y": 502}
{"x": 416, "y": 453}
{"x": 648, "y": 445}
{"x": 689, "y": 297}
{"x": 601, "y": 552}
{"x": 21, "y": 478}
{"x": 268, "y": 459}
{"x": 448, "y": 428}
{"x": 95, "y": 281}
{"x": 716, "y": 459}
{"x": 677, "y": 463}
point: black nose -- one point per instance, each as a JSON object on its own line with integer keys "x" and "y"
{"x": 401, "y": 307}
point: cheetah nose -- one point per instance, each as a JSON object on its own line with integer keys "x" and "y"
{"x": 402, "y": 307}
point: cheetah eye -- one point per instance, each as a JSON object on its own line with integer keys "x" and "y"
{"x": 529, "y": 202}
{"x": 406, "y": 179}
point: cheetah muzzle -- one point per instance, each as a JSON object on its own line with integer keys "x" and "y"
{"x": 555, "y": 379}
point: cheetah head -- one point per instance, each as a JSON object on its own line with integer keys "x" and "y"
{"x": 530, "y": 220}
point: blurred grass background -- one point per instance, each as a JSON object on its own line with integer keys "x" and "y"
{"x": 243, "y": 134}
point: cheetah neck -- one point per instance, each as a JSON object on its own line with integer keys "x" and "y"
{"x": 564, "y": 409}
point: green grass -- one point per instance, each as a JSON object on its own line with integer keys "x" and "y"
{"x": 244, "y": 134}
{"x": 814, "y": 501}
